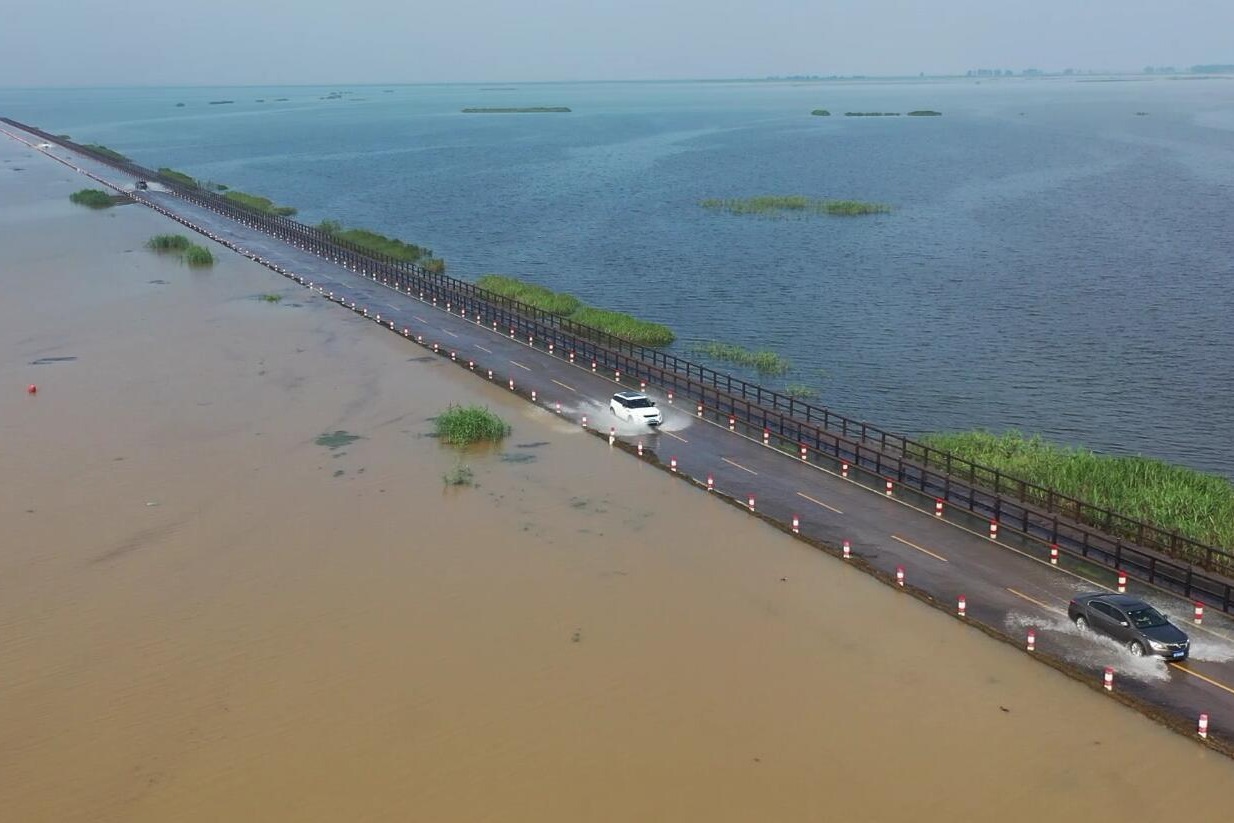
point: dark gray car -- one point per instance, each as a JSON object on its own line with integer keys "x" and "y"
{"x": 1130, "y": 621}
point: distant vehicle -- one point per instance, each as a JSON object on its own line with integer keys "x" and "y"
{"x": 635, "y": 407}
{"x": 1130, "y": 621}
{"x": 142, "y": 185}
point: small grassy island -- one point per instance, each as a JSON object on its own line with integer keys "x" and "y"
{"x": 198, "y": 256}
{"x": 93, "y": 198}
{"x": 925, "y": 113}
{"x": 389, "y": 246}
{"x": 1199, "y": 506}
{"x": 782, "y": 205}
{"x": 821, "y": 113}
{"x": 571, "y": 308}
{"x": 221, "y": 102}
{"x": 178, "y": 244}
{"x": 871, "y": 114}
{"x": 258, "y": 203}
{"x": 517, "y": 110}
{"x": 464, "y": 425}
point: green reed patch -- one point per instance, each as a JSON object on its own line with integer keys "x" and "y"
{"x": 178, "y": 177}
{"x": 169, "y": 242}
{"x": 558, "y": 303}
{"x": 392, "y": 247}
{"x": 110, "y": 154}
{"x": 337, "y": 439}
{"x": 800, "y": 391}
{"x": 258, "y": 203}
{"x": 763, "y": 361}
{"x": 271, "y": 298}
{"x": 196, "y": 256}
{"x": 92, "y": 198}
{"x": 782, "y": 205}
{"x": 1199, "y": 506}
{"x": 463, "y": 425}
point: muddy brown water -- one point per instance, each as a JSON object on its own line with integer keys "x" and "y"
{"x": 206, "y": 614}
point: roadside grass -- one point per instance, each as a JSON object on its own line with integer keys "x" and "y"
{"x": 258, "y": 203}
{"x": 380, "y": 244}
{"x": 558, "y": 303}
{"x": 464, "y": 425}
{"x": 781, "y": 205}
{"x": 1198, "y": 506}
{"x": 762, "y": 361}
{"x": 92, "y": 198}
{"x": 178, "y": 176}
{"x": 111, "y": 154}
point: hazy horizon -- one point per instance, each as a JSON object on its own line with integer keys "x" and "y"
{"x": 228, "y": 42}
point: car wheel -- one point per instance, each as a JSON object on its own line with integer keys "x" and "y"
{"x": 1136, "y": 648}
{"x": 1080, "y": 622}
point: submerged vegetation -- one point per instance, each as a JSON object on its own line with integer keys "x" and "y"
{"x": 93, "y": 198}
{"x": 871, "y": 114}
{"x": 460, "y": 475}
{"x": 463, "y": 425}
{"x": 821, "y": 113}
{"x": 763, "y": 361}
{"x": 925, "y": 113}
{"x": 571, "y": 308}
{"x": 517, "y": 110}
{"x": 1199, "y": 506}
{"x": 111, "y": 154}
{"x": 196, "y": 255}
{"x": 258, "y": 203}
{"x": 800, "y": 391}
{"x": 271, "y": 298}
{"x": 380, "y": 244}
{"x": 781, "y": 205}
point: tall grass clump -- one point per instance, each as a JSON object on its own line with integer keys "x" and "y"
{"x": 257, "y": 203}
{"x": 781, "y": 205}
{"x": 762, "y": 361}
{"x": 380, "y": 244}
{"x": 93, "y": 198}
{"x": 463, "y": 425}
{"x": 620, "y": 324}
{"x": 169, "y": 242}
{"x": 178, "y": 176}
{"x": 558, "y": 303}
{"x": 111, "y": 154}
{"x": 196, "y": 255}
{"x": 1174, "y": 498}
{"x": 800, "y": 391}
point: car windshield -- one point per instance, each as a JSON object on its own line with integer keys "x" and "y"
{"x": 639, "y": 403}
{"x": 1146, "y": 618}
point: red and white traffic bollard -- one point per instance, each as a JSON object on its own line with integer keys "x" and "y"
{"x": 1032, "y": 640}
{"x": 32, "y": 389}
{"x": 711, "y": 483}
{"x": 962, "y": 607}
{"x": 642, "y": 385}
{"x": 1054, "y": 555}
{"x": 796, "y": 525}
{"x": 533, "y": 395}
{"x": 584, "y": 421}
{"x": 899, "y": 575}
{"x": 453, "y": 356}
{"x": 670, "y": 398}
{"x": 617, "y": 375}
{"x": 490, "y": 374}
{"x": 1199, "y": 612}
{"x": 559, "y": 407}
{"x": 938, "y": 507}
{"x": 847, "y": 550}
{"x": 550, "y": 348}
{"x": 511, "y": 384}
{"x": 1108, "y": 679}
{"x": 993, "y": 529}
{"x": 889, "y": 488}
{"x": 732, "y": 423}
{"x": 844, "y": 470}
{"x": 803, "y": 452}
{"x": 1202, "y": 728}
{"x": 700, "y": 409}
{"x": 1122, "y": 582}
{"x": 612, "y": 435}
{"x": 640, "y": 448}
{"x": 571, "y": 358}
{"x": 434, "y": 348}
{"x": 593, "y": 365}
{"x": 672, "y": 464}
{"x": 766, "y": 437}
{"x": 750, "y": 502}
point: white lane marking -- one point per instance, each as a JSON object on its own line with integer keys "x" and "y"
{"x": 520, "y": 365}
{"x": 819, "y": 502}
{"x": 738, "y": 465}
{"x": 564, "y": 386}
{"x": 1023, "y": 596}
{"x": 452, "y": 334}
{"x": 677, "y": 436}
{"x": 481, "y": 348}
{"x": 919, "y": 548}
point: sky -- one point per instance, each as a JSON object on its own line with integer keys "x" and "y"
{"x": 268, "y": 42}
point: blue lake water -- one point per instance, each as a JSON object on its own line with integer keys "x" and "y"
{"x": 1055, "y": 262}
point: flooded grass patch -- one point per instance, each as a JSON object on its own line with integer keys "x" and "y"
{"x": 783, "y": 205}
{"x": 515, "y": 457}
{"x": 460, "y": 475}
{"x": 258, "y": 203}
{"x": 380, "y": 244}
{"x": 169, "y": 242}
{"x": 92, "y": 198}
{"x": 1174, "y": 498}
{"x": 762, "y": 361}
{"x": 198, "y": 256}
{"x": 271, "y": 298}
{"x": 463, "y": 425}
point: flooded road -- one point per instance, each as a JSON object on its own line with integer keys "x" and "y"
{"x": 216, "y": 604}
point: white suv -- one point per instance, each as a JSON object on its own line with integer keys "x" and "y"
{"x": 635, "y": 407}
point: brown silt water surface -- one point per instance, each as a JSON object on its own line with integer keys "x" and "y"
{"x": 234, "y": 586}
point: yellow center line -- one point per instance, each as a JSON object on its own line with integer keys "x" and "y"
{"x": 481, "y": 348}
{"x": 677, "y": 436}
{"x": 819, "y": 502}
{"x": 521, "y": 366}
{"x": 564, "y": 386}
{"x": 452, "y": 334}
{"x": 738, "y": 465}
{"x": 1035, "y": 602}
{"x": 1207, "y": 680}
{"x": 918, "y": 548}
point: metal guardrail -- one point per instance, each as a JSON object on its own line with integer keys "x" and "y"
{"x": 1035, "y": 511}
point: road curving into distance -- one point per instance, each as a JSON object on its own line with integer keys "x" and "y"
{"x": 1008, "y": 584}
